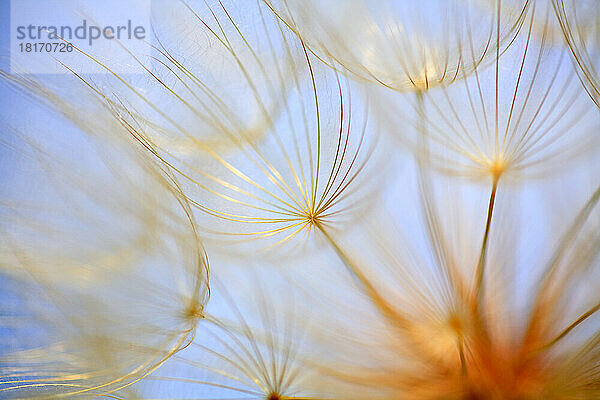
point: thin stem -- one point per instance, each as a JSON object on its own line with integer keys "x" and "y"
{"x": 420, "y": 112}
{"x": 484, "y": 244}
{"x": 452, "y": 280}
{"x": 382, "y": 304}
{"x": 572, "y": 326}
{"x": 463, "y": 360}
{"x": 543, "y": 299}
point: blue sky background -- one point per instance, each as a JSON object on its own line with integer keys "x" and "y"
{"x": 20, "y": 112}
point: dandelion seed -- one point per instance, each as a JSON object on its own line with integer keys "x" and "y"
{"x": 257, "y": 353}
{"x": 108, "y": 271}
{"x": 525, "y": 117}
{"x": 440, "y": 342}
{"x": 408, "y": 47}
{"x": 248, "y": 130}
{"x": 299, "y": 177}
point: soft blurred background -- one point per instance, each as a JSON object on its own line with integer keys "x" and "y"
{"x": 315, "y": 302}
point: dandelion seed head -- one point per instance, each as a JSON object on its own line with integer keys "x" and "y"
{"x": 273, "y": 183}
{"x": 105, "y": 259}
{"x": 274, "y": 396}
{"x": 249, "y": 133}
{"x": 498, "y": 166}
{"x": 407, "y": 47}
{"x": 524, "y": 116}
{"x": 194, "y": 311}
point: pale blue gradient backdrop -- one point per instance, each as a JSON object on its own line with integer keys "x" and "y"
{"x": 19, "y": 112}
